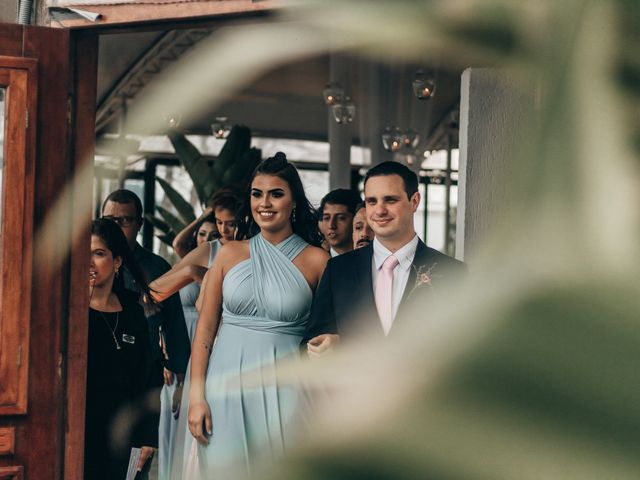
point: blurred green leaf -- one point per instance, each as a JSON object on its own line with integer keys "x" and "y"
{"x": 542, "y": 379}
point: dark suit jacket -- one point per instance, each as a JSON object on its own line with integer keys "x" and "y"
{"x": 344, "y": 302}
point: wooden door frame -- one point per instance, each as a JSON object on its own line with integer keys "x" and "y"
{"x": 48, "y": 441}
{"x": 85, "y": 63}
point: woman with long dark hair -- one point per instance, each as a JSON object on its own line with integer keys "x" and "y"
{"x": 119, "y": 359}
{"x": 256, "y": 303}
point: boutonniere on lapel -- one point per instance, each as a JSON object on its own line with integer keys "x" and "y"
{"x": 423, "y": 276}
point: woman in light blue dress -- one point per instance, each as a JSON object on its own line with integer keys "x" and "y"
{"x": 256, "y": 304}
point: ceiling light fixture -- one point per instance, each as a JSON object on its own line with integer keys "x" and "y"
{"x": 392, "y": 139}
{"x": 332, "y": 94}
{"x": 344, "y": 112}
{"x": 220, "y": 128}
{"x": 410, "y": 139}
{"x": 424, "y": 86}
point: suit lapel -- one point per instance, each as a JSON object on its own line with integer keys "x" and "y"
{"x": 422, "y": 260}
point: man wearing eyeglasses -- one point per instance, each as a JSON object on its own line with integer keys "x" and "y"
{"x": 125, "y": 208}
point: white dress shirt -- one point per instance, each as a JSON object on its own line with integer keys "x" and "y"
{"x": 401, "y": 273}
{"x": 333, "y": 253}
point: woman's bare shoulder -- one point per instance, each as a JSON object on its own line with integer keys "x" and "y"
{"x": 234, "y": 247}
{"x": 315, "y": 256}
{"x": 232, "y": 253}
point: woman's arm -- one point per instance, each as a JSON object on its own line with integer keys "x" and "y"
{"x": 182, "y": 242}
{"x": 200, "y": 423}
{"x": 190, "y": 269}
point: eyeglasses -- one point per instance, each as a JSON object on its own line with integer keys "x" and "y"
{"x": 124, "y": 221}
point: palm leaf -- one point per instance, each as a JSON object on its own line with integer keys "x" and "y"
{"x": 238, "y": 141}
{"x": 174, "y": 222}
{"x": 168, "y": 238}
{"x": 245, "y": 166}
{"x": 184, "y": 208}
{"x": 192, "y": 160}
{"x": 209, "y": 184}
{"x": 158, "y": 223}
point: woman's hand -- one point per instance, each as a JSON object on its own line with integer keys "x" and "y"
{"x": 205, "y": 212}
{"x": 145, "y": 453}
{"x": 200, "y": 424}
{"x": 322, "y": 344}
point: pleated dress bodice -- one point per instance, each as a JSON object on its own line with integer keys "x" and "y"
{"x": 267, "y": 291}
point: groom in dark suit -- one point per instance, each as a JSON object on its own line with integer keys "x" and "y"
{"x": 366, "y": 290}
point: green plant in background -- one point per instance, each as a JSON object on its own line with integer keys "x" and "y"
{"x": 233, "y": 166}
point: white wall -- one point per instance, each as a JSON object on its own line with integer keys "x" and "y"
{"x": 495, "y": 108}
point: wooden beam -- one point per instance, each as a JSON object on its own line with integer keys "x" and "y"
{"x": 143, "y": 12}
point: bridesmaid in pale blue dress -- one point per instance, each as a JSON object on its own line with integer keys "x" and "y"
{"x": 256, "y": 303}
{"x": 205, "y": 234}
{"x": 203, "y": 238}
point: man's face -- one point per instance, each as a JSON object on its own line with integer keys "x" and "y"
{"x": 389, "y": 211}
{"x": 124, "y": 214}
{"x": 362, "y": 233}
{"x": 337, "y": 226}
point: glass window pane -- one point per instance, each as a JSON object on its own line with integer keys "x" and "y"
{"x": 437, "y": 159}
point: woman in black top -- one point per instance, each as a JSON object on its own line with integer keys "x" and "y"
{"x": 118, "y": 373}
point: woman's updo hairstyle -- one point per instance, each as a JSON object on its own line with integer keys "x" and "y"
{"x": 304, "y": 222}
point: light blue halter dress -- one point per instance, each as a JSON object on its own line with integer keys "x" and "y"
{"x": 266, "y": 304}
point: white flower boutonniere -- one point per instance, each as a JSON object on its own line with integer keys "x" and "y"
{"x": 423, "y": 276}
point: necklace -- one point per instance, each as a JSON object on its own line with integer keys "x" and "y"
{"x": 112, "y": 330}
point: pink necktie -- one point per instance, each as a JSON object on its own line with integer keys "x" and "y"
{"x": 384, "y": 292}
